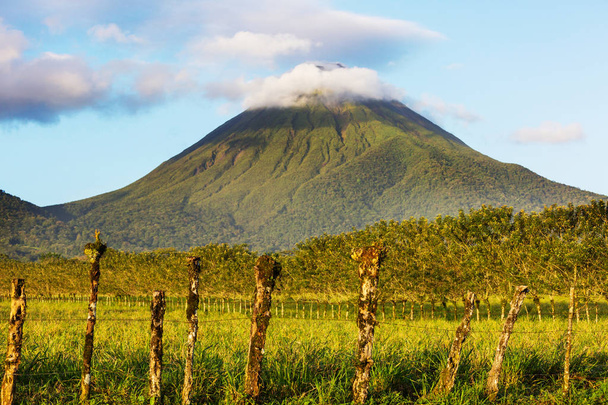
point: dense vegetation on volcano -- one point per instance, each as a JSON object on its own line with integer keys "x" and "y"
{"x": 273, "y": 177}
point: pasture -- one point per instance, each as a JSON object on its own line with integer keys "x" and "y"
{"x": 308, "y": 360}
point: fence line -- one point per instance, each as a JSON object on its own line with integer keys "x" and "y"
{"x": 73, "y": 375}
{"x": 312, "y": 308}
{"x": 76, "y": 373}
{"x": 305, "y": 310}
{"x": 405, "y": 323}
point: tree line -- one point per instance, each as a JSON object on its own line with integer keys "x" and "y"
{"x": 487, "y": 250}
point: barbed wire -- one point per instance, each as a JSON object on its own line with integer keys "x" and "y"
{"x": 77, "y": 373}
{"x": 402, "y": 322}
{"x": 406, "y": 324}
{"x": 102, "y": 320}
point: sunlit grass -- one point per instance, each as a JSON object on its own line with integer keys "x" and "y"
{"x": 308, "y": 361}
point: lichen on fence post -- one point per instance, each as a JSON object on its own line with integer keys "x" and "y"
{"x": 94, "y": 251}
{"x": 194, "y": 269}
{"x": 157, "y": 309}
{"x": 448, "y": 374}
{"x": 267, "y": 271}
{"x": 494, "y": 374}
{"x": 369, "y": 259}
{"x": 15, "y": 340}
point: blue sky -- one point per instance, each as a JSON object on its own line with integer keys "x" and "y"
{"x": 94, "y": 94}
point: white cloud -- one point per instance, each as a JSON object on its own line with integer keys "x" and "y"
{"x": 330, "y": 34}
{"x": 112, "y": 32}
{"x": 12, "y": 43}
{"x": 273, "y": 31}
{"x": 45, "y": 87}
{"x": 156, "y": 82}
{"x": 42, "y": 88}
{"x": 328, "y": 82}
{"x": 311, "y": 19}
{"x": 549, "y": 132}
{"x": 435, "y": 109}
{"x": 55, "y": 24}
{"x": 250, "y": 46}
{"x": 138, "y": 84}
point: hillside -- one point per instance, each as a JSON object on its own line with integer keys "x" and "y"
{"x": 273, "y": 177}
{"x": 27, "y": 230}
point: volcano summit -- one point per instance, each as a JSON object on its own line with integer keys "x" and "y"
{"x": 271, "y": 177}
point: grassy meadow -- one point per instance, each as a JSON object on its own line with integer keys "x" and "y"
{"x": 307, "y": 361}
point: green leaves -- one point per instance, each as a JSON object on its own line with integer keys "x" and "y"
{"x": 487, "y": 250}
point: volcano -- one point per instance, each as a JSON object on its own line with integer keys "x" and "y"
{"x": 271, "y": 177}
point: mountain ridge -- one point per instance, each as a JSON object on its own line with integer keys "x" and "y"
{"x": 272, "y": 177}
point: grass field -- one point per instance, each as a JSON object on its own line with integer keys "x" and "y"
{"x": 308, "y": 361}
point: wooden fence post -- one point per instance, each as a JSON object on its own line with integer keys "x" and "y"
{"x": 486, "y": 300}
{"x": 15, "y": 340}
{"x": 194, "y": 269}
{"x": 94, "y": 251}
{"x": 266, "y": 270}
{"x": 536, "y": 300}
{"x": 448, "y": 374}
{"x": 369, "y": 259}
{"x": 571, "y": 309}
{"x": 157, "y": 309}
{"x": 494, "y": 374}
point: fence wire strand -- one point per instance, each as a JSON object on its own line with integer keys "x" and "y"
{"x": 398, "y": 323}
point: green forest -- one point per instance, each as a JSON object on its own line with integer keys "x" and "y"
{"x": 487, "y": 250}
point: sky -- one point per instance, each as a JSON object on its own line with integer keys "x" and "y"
{"x": 94, "y": 94}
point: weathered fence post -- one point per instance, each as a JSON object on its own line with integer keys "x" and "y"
{"x": 267, "y": 271}
{"x": 194, "y": 269}
{"x": 536, "y": 300}
{"x": 15, "y": 340}
{"x": 486, "y": 300}
{"x": 597, "y": 315}
{"x": 503, "y": 306}
{"x": 370, "y": 259}
{"x": 566, "y": 384}
{"x": 448, "y": 374}
{"x": 157, "y": 309}
{"x": 494, "y": 375}
{"x": 94, "y": 251}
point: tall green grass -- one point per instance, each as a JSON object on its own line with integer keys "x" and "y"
{"x": 308, "y": 361}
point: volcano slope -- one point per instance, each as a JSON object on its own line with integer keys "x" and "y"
{"x": 273, "y": 177}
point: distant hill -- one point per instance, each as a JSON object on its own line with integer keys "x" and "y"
{"x": 26, "y": 230}
{"x": 273, "y": 177}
